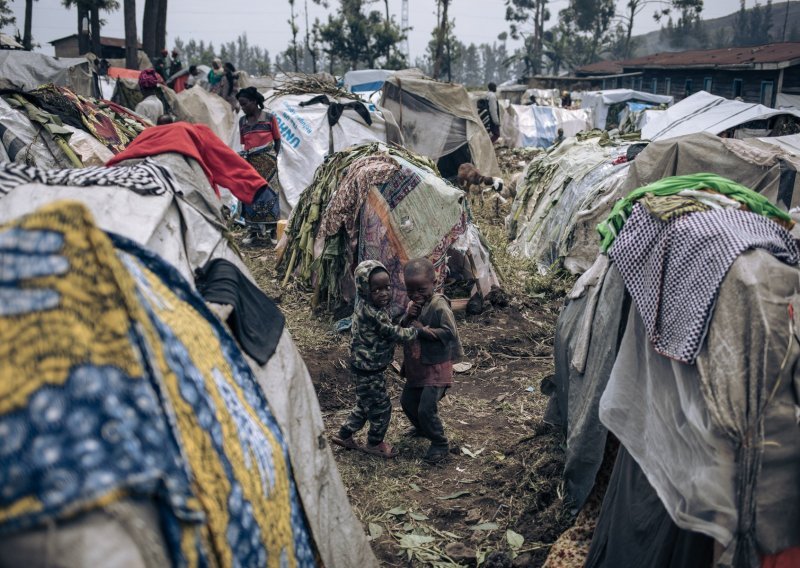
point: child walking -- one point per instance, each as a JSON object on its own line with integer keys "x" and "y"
{"x": 374, "y": 338}
{"x": 428, "y": 361}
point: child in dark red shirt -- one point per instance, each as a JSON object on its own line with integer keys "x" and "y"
{"x": 428, "y": 360}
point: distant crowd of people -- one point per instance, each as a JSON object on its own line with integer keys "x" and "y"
{"x": 221, "y": 79}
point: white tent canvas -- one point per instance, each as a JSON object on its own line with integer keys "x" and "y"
{"x": 704, "y": 112}
{"x": 526, "y": 126}
{"x": 600, "y": 101}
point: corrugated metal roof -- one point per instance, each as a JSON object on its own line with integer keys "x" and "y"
{"x": 731, "y": 56}
{"x": 773, "y": 53}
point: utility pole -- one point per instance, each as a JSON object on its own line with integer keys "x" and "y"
{"x": 785, "y": 20}
{"x": 404, "y": 25}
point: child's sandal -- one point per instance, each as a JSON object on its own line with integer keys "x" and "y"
{"x": 383, "y": 450}
{"x": 348, "y": 443}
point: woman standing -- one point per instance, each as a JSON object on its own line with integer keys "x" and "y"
{"x": 215, "y": 76}
{"x": 230, "y": 86}
{"x": 261, "y": 140}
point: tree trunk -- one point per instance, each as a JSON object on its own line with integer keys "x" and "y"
{"x": 440, "y": 39}
{"x": 161, "y": 26}
{"x": 629, "y": 31}
{"x": 149, "y": 27}
{"x": 83, "y": 32}
{"x": 97, "y": 46}
{"x": 386, "y": 3}
{"x": 131, "y": 52}
{"x": 27, "y": 40}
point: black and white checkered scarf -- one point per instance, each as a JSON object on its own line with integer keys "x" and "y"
{"x": 145, "y": 178}
{"x": 673, "y": 270}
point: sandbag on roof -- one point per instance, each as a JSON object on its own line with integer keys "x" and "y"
{"x": 438, "y": 118}
{"x": 187, "y": 230}
{"x": 704, "y": 112}
{"x": 373, "y": 202}
{"x": 27, "y": 70}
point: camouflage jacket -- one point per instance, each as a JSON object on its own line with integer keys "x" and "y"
{"x": 374, "y": 336}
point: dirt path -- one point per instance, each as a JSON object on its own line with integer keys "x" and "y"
{"x": 500, "y": 493}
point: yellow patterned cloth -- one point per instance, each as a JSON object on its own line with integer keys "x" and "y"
{"x": 117, "y": 381}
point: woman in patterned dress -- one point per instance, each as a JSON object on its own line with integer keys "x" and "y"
{"x": 261, "y": 141}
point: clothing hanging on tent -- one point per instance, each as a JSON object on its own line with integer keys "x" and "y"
{"x": 145, "y": 178}
{"x": 673, "y": 270}
{"x": 221, "y": 165}
{"x": 256, "y": 321}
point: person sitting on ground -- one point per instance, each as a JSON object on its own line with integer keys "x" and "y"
{"x": 374, "y": 338}
{"x": 151, "y": 106}
{"x": 494, "y": 112}
{"x": 215, "y": 75}
{"x": 261, "y": 141}
{"x": 560, "y": 138}
{"x": 428, "y": 360}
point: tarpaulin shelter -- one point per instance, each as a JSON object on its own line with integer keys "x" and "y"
{"x": 315, "y": 125}
{"x": 178, "y": 217}
{"x": 367, "y": 83}
{"x": 703, "y": 112}
{"x": 610, "y": 103}
{"x": 534, "y": 126}
{"x": 544, "y": 97}
{"x": 53, "y": 126}
{"x": 373, "y": 202}
{"x": 708, "y": 452}
{"x": 438, "y": 120}
{"x": 556, "y": 191}
{"x": 27, "y": 70}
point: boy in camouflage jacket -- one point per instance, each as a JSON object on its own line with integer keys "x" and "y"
{"x": 374, "y": 338}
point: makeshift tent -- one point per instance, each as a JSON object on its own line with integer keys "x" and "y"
{"x": 367, "y": 83}
{"x": 27, "y": 70}
{"x": 180, "y": 220}
{"x": 717, "y": 468}
{"x": 532, "y": 126}
{"x": 54, "y": 127}
{"x": 785, "y": 100}
{"x": 565, "y": 193}
{"x": 373, "y": 202}
{"x": 315, "y": 125}
{"x": 438, "y": 120}
{"x": 606, "y": 106}
{"x": 703, "y": 112}
{"x": 544, "y": 97}
{"x": 556, "y": 190}
{"x": 198, "y": 106}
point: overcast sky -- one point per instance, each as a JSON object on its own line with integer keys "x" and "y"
{"x": 265, "y": 22}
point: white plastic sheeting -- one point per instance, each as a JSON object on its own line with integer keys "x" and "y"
{"x": 199, "y": 106}
{"x": 704, "y": 112}
{"x": 544, "y": 97}
{"x": 22, "y": 142}
{"x": 599, "y": 101}
{"x": 29, "y": 70}
{"x": 783, "y": 100}
{"x": 187, "y": 231}
{"x": 306, "y": 136}
{"x": 533, "y": 126}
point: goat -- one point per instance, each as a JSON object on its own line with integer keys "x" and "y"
{"x": 470, "y": 180}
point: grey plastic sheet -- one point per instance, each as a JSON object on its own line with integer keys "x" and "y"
{"x": 718, "y": 441}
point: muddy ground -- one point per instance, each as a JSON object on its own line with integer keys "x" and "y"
{"x": 500, "y": 491}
